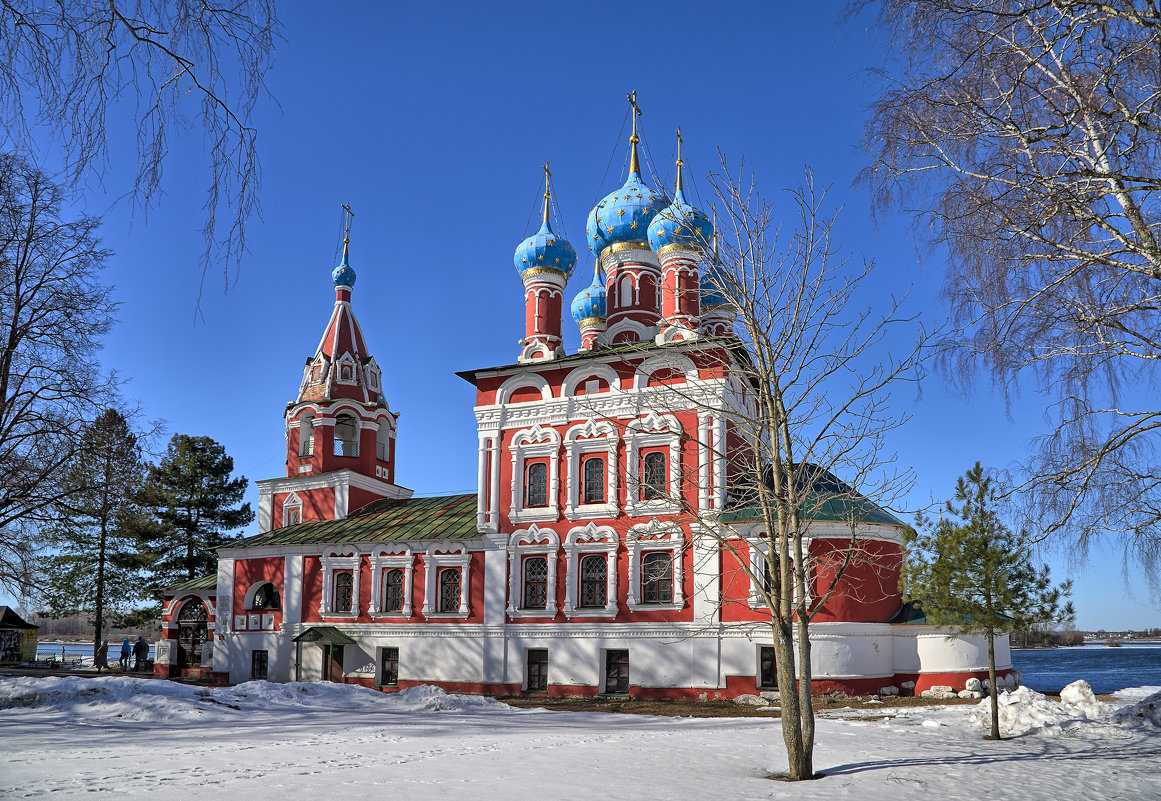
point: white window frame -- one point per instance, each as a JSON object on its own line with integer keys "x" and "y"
{"x": 532, "y": 443}
{"x": 647, "y": 538}
{"x": 758, "y": 546}
{"x": 653, "y": 430}
{"x": 292, "y": 502}
{"x": 382, "y": 560}
{"x": 588, "y": 438}
{"x": 346, "y": 360}
{"x": 330, "y": 563}
{"x": 532, "y": 541}
{"x": 584, "y": 541}
{"x": 305, "y": 424}
{"x": 438, "y": 557}
{"x": 339, "y": 415}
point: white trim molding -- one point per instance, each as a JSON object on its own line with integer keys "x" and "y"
{"x": 520, "y": 381}
{"x": 446, "y": 556}
{"x": 384, "y": 558}
{"x": 648, "y": 538}
{"x": 330, "y": 563}
{"x": 664, "y": 361}
{"x": 531, "y": 541}
{"x": 591, "y": 437}
{"x": 584, "y": 541}
{"x": 532, "y": 443}
{"x": 582, "y": 374}
{"x": 653, "y": 430}
{"x": 292, "y": 502}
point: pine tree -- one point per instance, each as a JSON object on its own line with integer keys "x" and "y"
{"x": 94, "y": 567}
{"x": 193, "y": 500}
{"x": 970, "y": 571}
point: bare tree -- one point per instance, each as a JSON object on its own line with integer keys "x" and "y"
{"x": 804, "y": 399}
{"x": 66, "y": 66}
{"x": 1027, "y": 133}
{"x": 53, "y": 311}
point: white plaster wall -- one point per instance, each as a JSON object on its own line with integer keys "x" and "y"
{"x": 310, "y": 668}
{"x": 437, "y": 658}
{"x": 944, "y": 651}
{"x": 278, "y": 647}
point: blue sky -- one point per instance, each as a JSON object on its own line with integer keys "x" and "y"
{"x": 433, "y": 124}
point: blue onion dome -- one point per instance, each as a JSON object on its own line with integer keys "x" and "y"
{"x": 589, "y": 303}
{"x": 343, "y": 275}
{"x": 679, "y": 224}
{"x": 624, "y": 215}
{"x": 545, "y": 250}
{"x": 711, "y": 294}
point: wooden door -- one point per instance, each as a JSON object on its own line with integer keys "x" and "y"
{"x": 537, "y": 673}
{"x": 616, "y": 672}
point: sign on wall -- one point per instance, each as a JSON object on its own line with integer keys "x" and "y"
{"x": 162, "y": 651}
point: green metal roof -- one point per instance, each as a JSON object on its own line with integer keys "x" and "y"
{"x": 828, "y": 499}
{"x": 444, "y": 517}
{"x": 209, "y": 582}
{"x": 324, "y": 634}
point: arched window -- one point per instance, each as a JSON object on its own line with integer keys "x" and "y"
{"x": 346, "y": 436}
{"x": 449, "y": 590}
{"x": 381, "y": 442}
{"x": 343, "y": 595}
{"x": 266, "y": 597}
{"x": 657, "y": 578}
{"x": 594, "y": 480}
{"x": 393, "y": 590}
{"x": 306, "y": 435}
{"x": 625, "y": 291}
{"x": 653, "y": 477}
{"x": 535, "y": 583}
{"x": 594, "y": 578}
{"x": 536, "y": 485}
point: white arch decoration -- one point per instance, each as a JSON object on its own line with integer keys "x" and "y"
{"x": 664, "y": 361}
{"x": 650, "y": 431}
{"x": 643, "y": 332}
{"x": 582, "y": 374}
{"x": 591, "y": 437}
{"x": 646, "y": 538}
{"x": 582, "y": 541}
{"x": 520, "y": 381}
{"x": 531, "y": 443}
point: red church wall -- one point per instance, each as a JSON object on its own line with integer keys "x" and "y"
{"x": 248, "y": 572}
{"x": 358, "y": 498}
{"x": 868, "y": 591}
{"x": 317, "y": 504}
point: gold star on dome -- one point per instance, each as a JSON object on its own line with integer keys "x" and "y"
{"x": 620, "y": 212}
{"x": 633, "y": 225}
{"x": 610, "y": 229}
{"x": 551, "y": 242}
{"x": 558, "y": 259}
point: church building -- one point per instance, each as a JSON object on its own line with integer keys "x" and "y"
{"x": 590, "y": 560}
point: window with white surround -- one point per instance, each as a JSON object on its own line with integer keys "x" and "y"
{"x": 392, "y": 574}
{"x": 584, "y": 442}
{"x": 758, "y": 545}
{"x": 447, "y": 582}
{"x": 655, "y": 566}
{"x": 347, "y": 370}
{"x": 382, "y": 441}
{"x": 532, "y": 572}
{"x": 536, "y": 445}
{"x": 340, "y": 592}
{"x": 654, "y": 480}
{"x": 291, "y": 510}
{"x": 585, "y": 548}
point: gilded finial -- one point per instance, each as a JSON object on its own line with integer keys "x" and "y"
{"x": 634, "y": 166}
{"x": 680, "y": 164}
{"x": 547, "y": 191}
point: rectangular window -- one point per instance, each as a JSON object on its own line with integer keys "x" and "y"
{"x": 449, "y": 590}
{"x": 389, "y": 667}
{"x": 393, "y": 590}
{"x": 535, "y": 582}
{"x": 616, "y": 672}
{"x": 653, "y": 478}
{"x": 767, "y": 668}
{"x": 594, "y": 581}
{"x": 536, "y": 485}
{"x": 594, "y": 480}
{"x": 657, "y": 578}
{"x": 259, "y": 665}
{"x": 293, "y": 516}
{"x": 537, "y": 675}
{"x": 343, "y": 599}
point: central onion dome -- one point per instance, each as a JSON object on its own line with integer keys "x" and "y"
{"x": 544, "y": 250}
{"x": 589, "y": 303}
{"x": 679, "y": 223}
{"x": 623, "y": 216}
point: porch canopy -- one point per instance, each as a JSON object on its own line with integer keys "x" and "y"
{"x": 327, "y": 635}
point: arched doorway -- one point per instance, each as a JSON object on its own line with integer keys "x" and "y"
{"x": 191, "y": 633}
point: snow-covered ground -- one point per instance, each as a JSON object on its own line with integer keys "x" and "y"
{"x": 75, "y": 737}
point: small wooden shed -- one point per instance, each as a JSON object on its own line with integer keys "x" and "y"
{"x": 17, "y": 638}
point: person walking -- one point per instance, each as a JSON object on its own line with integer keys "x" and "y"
{"x": 140, "y": 652}
{"x": 126, "y": 652}
{"x": 101, "y": 657}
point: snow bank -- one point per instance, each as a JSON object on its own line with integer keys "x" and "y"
{"x": 149, "y": 700}
{"x": 1078, "y": 712}
{"x": 1146, "y": 712}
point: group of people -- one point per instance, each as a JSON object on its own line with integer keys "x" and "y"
{"x": 136, "y": 653}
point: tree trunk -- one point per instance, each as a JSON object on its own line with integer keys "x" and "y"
{"x": 993, "y": 690}
{"x": 99, "y": 600}
{"x": 805, "y": 702}
{"x": 791, "y": 714}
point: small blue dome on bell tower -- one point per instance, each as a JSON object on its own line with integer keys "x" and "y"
{"x": 344, "y": 275}
{"x": 590, "y": 302}
{"x": 679, "y": 223}
{"x": 544, "y": 249}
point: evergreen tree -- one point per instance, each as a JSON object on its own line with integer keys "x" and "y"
{"x": 970, "y": 571}
{"x": 193, "y": 501}
{"x": 94, "y": 569}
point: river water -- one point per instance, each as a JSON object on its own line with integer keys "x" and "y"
{"x": 1106, "y": 669}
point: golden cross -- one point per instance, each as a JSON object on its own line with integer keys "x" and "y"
{"x": 348, "y": 215}
{"x": 636, "y": 110}
{"x": 547, "y": 190}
